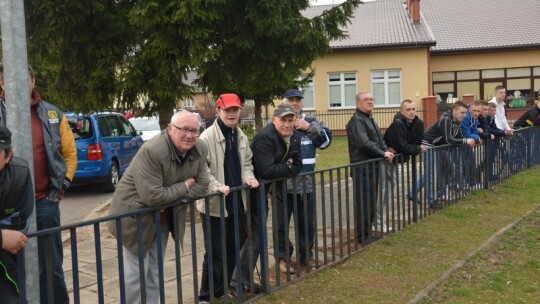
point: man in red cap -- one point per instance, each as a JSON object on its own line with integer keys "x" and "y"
{"x": 229, "y": 160}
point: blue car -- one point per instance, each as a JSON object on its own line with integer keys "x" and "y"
{"x": 106, "y": 144}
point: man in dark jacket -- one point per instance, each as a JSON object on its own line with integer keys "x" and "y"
{"x": 16, "y": 206}
{"x": 531, "y": 118}
{"x": 276, "y": 155}
{"x": 315, "y": 135}
{"x": 446, "y": 130}
{"x": 365, "y": 143}
{"x": 404, "y": 136}
{"x": 55, "y": 162}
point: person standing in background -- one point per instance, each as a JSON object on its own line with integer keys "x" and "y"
{"x": 55, "y": 162}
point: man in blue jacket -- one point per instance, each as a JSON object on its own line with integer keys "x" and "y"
{"x": 314, "y": 134}
{"x": 469, "y": 129}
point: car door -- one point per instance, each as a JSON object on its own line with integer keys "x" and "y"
{"x": 131, "y": 141}
{"x": 110, "y": 136}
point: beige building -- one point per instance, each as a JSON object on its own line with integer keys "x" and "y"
{"x": 411, "y": 50}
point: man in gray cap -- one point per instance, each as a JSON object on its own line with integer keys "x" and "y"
{"x": 276, "y": 155}
{"x": 16, "y": 205}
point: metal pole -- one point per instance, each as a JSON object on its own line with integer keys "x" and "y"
{"x": 18, "y": 115}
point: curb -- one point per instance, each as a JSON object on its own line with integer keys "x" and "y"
{"x": 90, "y": 216}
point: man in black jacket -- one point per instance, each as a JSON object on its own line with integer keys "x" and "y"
{"x": 365, "y": 143}
{"x": 276, "y": 155}
{"x": 16, "y": 205}
{"x": 404, "y": 136}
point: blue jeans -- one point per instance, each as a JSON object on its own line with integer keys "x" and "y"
{"x": 434, "y": 165}
{"x": 48, "y": 216}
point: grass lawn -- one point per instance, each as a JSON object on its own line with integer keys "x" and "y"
{"x": 397, "y": 268}
{"x": 335, "y": 155}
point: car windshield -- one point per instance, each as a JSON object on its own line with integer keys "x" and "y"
{"x": 81, "y": 127}
{"x": 145, "y": 124}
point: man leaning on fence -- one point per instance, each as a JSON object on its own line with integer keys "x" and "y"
{"x": 365, "y": 143}
{"x": 314, "y": 134}
{"x": 229, "y": 160}
{"x": 16, "y": 206}
{"x": 170, "y": 167}
{"x": 446, "y": 130}
{"x": 404, "y": 135}
{"x": 276, "y": 155}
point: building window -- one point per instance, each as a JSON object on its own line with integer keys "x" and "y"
{"x": 342, "y": 89}
{"x": 386, "y": 87}
{"x": 309, "y": 97}
{"x": 189, "y": 102}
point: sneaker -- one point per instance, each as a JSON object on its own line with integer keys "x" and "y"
{"x": 283, "y": 267}
{"x": 385, "y": 229}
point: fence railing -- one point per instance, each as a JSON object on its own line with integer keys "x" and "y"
{"x": 352, "y": 206}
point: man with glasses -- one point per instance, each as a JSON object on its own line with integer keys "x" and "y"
{"x": 365, "y": 143}
{"x": 170, "y": 167}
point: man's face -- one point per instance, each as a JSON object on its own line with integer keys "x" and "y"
{"x": 230, "y": 116}
{"x": 492, "y": 111}
{"x": 485, "y": 111}
{"x": 184, "y": 132}
{"x": 4, "y": 159}
{"x": 500, "y": 95}
{"x": 31, "y": 84}
{"x": 475, "y": 110}
{"x": 365, "y": 103}
{"x": 285, "y": 125}
{"x": 296, "y": 104}
{"x": 459, "y": 113}
{"x": 408, "y": 110}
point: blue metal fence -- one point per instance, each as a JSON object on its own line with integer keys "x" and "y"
{"x": 401, "y": 193}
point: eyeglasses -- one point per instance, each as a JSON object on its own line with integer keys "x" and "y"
{"x": 185, "y": 131}
{"x": 367, "y": 99}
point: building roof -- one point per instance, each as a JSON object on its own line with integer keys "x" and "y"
{"x": 467, "y": 25}
{"x": 379, "y": 24}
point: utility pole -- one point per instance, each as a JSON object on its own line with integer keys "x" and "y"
{"x": 14, "y": 55}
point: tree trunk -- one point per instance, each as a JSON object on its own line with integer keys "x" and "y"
{"x": 258, "y": 116}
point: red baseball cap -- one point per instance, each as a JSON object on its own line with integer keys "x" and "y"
{"x": 228, "y": 100}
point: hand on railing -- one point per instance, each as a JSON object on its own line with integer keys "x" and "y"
{"x": 13, "y": 241}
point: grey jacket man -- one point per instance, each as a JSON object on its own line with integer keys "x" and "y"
{"x": 156, "y": 177}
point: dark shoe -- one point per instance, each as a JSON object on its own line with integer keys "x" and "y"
{"x": 435, "y": 205}
{"x": 245, "y": 289}
{"x": 369, "y": 239}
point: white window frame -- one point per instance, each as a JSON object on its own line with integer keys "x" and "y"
{"x": 310, "y": 87}
{"x": 342, "y": 83}
{"x": 188, "y": 102}
{"x": 386, "y": 80}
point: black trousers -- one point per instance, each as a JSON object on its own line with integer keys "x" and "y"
{"x": 223, "y": 258}
{"x": 305, "y": 229}
{"x": 8, "y": 291}
{"x": 365, "y": 185}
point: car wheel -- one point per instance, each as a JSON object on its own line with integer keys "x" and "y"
{"x": 112, "y": 180}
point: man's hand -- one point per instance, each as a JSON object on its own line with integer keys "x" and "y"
{"x": 470, "y": 142}
{"x": 190, "y": 182}
{"x": 252, "y": 183}
{"x": 480, "y": 130}
{"x": 301, "y": 124}
{"x": 224, "y": 189}
{"x": 492, "y": 136}
{"x": 389, "y": 156}
{"x": 423, "y": 148}
{"x": 508, "y": 132}
{"x": 13, "y": 240}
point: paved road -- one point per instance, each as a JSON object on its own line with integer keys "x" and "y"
{"x": 79, "y": 201}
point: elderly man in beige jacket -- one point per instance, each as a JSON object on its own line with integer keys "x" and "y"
{"x": 229, "y": 161}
